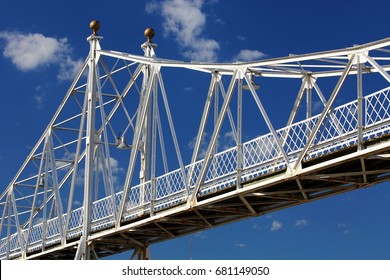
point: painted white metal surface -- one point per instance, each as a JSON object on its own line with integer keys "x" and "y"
{"x": 39, "y": 208}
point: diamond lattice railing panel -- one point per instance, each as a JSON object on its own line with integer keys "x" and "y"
{"x": 337, "y": 123}
{"x": 377, "y": 107}
{"x": 169, "y": 183}
{"x": 146, "y": 189}
{"x": 12, "y": 244}
{"x": 53, "y": 228}
{"x": 295, "y": 136}
{"x": 76, "y": 219}
{"x": 259, "y": 150}
{"x": 134, "y": 199}
{"x": 36, "y": 234}
{"x": 193, "y": 171}
{"x": 222, "y": 164}
{"x": 347, "y": 117}
{"x": 3, "y": 246}
{"x": 102, "y": 209}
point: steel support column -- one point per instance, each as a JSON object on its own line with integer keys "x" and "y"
{"x": 84, "y": 251}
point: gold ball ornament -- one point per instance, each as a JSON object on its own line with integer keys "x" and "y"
{"x": 149, "y": 33}
{"x": 95, "y": 26}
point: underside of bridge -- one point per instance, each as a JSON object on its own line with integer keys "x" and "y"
{"x": 343, "y": 171}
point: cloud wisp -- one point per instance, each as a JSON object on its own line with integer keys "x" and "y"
{"x": 344, "y": 228}
{"x": 249, "y": 55}
{"x": 185, "y": 20}
{"x": 225, "y": 141}
{"x": 301, "y": 223}
{"x": 31, "y": 51}
{"x": 276, "y": 225}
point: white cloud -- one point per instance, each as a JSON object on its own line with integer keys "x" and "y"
{"x": 276, "y": 225}
{"x": 344, "y": 228}
{"x": 341, "y": 225}
{"x": 185, "y": 20}
{"x": 317, "y": 106}
{"x": 68, "y": 69}
{"x": 33, "y": 50}
{"x": 151, "y": 7}
{"x": 219, "y": 21}
{"x": 77, "y": 203}
{"x": 226, "y": 141}
{"x": 37, "y": 221}
{"x": 115, "y": 168}
{"x": 256, "y": 227}
{"x": 29, "y": 51}
{"x": 200, "y": 235}
{"x": 38, "y": 99}
{"x": 249, "y": 55}
{"x": 348, "y": 198}
{"x": 203, "y": 145}
{"x": 240, "y": 245}
{"x": 301, "y": 223}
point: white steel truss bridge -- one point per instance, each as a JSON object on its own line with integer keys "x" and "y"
{"x": 111, "y": 172}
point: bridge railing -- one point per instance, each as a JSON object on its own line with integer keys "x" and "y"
{"x": 261, "y": 156}
{"x": 377, "y": 107}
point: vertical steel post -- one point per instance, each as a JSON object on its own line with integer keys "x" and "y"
{"x": 84, "y": 246}
{"x": 309, "y": 87}
{"x": 239, "y": 134}
{"x": 146, "y": 135}
{"x": 308, "y": 97}
{"x": 148, "y": 125}
{"x": 360, "y": 102}
{"x": 153, "y": 149}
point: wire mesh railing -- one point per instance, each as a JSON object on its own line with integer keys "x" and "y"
{"x": 260, "y": 156}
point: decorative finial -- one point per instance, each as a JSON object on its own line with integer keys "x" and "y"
{"x": 149, "y": 33}
{"x": 95, "y": 26}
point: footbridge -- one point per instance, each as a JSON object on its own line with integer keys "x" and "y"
{"x": 113, "y": 170}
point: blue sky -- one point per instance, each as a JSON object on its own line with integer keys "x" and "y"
{"x": 42, "y": 43}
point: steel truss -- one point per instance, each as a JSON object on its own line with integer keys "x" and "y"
{"x": 117, "y": 111}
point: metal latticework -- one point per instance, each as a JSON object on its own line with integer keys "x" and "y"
{"x": 109, "y": 173}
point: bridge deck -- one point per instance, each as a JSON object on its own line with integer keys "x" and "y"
{"x": 341, "y": 149}
{"x": 257, "y": 197}
{"x": 266, "y": 185}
